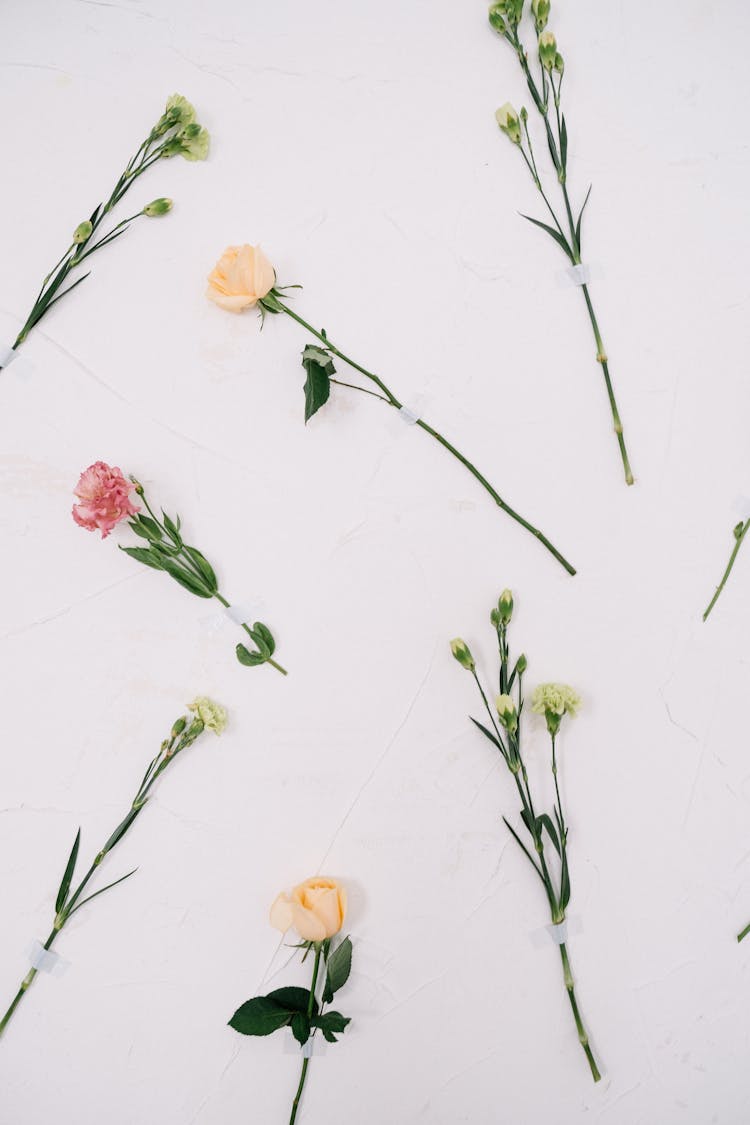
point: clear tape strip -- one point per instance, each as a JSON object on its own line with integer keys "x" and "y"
{"x": 45, "y": 961}
{"x": 315, "y": 1046}
{"x": 582, "y": 274}
{"x": 7, "y": 355}
{"x": 409, "y": 415}
{"x": 557, "y": 934}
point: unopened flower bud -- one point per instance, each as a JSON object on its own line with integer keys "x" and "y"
{"x": 524, "y": 114}
{"x": 178, "y": 726}
{"x": 137, "y": 485}
{"x": 540, "y": 11}
{"x": 497, "y": 18}
{"x": 521, "y": 664}
{"x": 82, "y": 232}
{"x": 559, "y": 63}
{"x": 157, "y": 207}
{"x": 507, "y": 119}
{"x": 506, "y": 713}
{"x": 547, "y": 50}
{"x": 505, "y": 606}
{"x": 462, "y": 654}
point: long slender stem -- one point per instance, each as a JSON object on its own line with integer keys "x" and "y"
{"x": 394, "y": 402}
{"x": 306, "y": 1060}
{"x": 582, "y": 1034}
{"x": 556, "y": 151}
{"x": 744, "y": 933}
{"x": 735, "y": 551}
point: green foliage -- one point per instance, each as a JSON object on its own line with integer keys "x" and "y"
{"x": 339, "y": 967}
{"x": 319, "y": 367}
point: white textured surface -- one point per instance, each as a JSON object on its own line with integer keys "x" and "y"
{"x": 357, "y": 143}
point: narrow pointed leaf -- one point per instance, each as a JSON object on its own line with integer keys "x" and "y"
{"x": 144, "y": 555}
{"x": 580, "y": 216}
{"x": 101, "y": 892}
{"x": 67, "y": 878}
{"x": 544, "y": 821}
{"x": 552, "y": 233}
{"x": 488, "y": 734}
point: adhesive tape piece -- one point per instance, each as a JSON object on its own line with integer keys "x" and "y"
{"x": 7, "y": 355}
{"x": 237, "y": 613}
{"x": 315, "y": 1045}
{"x": 579, "y": 275}
{"x": 45, "y": 961}
{"x": 557, "y": 934}
{"x": 409, "y": 415}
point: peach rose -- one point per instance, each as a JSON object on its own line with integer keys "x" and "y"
{"x": 104, "y": 496}
{"x": 242, "y": 275}
{"x": 316, "y": 909}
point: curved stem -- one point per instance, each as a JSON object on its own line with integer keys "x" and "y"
{"x": 744, "y": 933}
{"x": 394, "y": 402}
{"x": 582, "y": 1034}
{"x": 735, "y": 551}
{"x": 26, "y": 983}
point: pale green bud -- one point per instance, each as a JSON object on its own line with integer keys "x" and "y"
{"x": 497, "y": 18}
{"x": 505, "y": 606}
{"x": 547, "y": 50}
{"x": 158, "y": 207}
{"x": 559, "y": 63}
{"x": 462, "y": 654}
{"x": 179, "y": 726}
{"x": 507, "y": 119}
{"x": 521, "y": 664}
{"x": 540, "y": 11}
{"x": 82, "y": 232}
{"x": 524, "y": 114}
{"x": 506, "y": 713}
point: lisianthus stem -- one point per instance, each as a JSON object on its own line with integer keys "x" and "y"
{"x": 220, "y": 597}
{"x": 391, "y": 399}
{"x": 306, "y": 1060}
{"x": 739, "y": 536}
{"x": 582, "y": 1034}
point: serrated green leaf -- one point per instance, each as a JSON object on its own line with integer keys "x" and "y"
{"x": 249, "y": 659}
{"x": 553, "y": 234}
{"x": 300, "y": 1027}
{"x": 331, "y": 1024}
{"x": 338, "y": 969}
{"x": 293, "y": 998}
{"x": 144, "y": 555}
{"x": 67, "y": 878}
{"x": 260, "y": 1016}
{"x": 319, "y": 367}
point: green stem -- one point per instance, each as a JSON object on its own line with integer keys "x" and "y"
{"x": 582, "y": 1034}
{"x": 735, "y": 551}
{"x": 306, "y": 1061}
{"x": 744, "y": 932}
{"x": 25, "y": 986}
{"x": 394, "y": 402}
{"x": 601, "y": 357}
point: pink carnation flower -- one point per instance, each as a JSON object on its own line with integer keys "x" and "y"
{"x": 105, "y": 498}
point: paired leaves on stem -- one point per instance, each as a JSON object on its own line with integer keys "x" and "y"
{"x": 296, "y": 1008}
